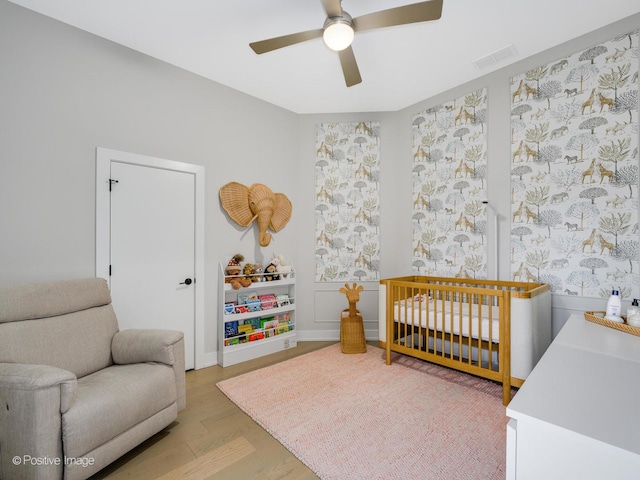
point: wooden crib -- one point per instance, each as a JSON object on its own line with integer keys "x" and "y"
{"x": 493, "y": 329}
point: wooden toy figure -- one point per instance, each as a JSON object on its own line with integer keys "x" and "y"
{"x": 352, "y": 338}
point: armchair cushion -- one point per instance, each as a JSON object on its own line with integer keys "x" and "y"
{"x": 138, "y": 346}
{"x": 42, "y": 300}
{"x": 79, "y": 342}
{"x": 112, "y": 400}
{"x": 67, "y": 324}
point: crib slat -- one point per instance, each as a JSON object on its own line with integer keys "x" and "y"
{"x": 473, "y": 298}
{"x": 490, "y": 336}
{"x": 461, "y": 330}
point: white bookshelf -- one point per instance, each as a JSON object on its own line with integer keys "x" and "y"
{"x": 235, "y": 346}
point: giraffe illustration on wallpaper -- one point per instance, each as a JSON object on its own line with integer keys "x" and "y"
{"x": 347, "y": 215}
{"x": 449, "y": 187}
{"x": 575, "y": 172}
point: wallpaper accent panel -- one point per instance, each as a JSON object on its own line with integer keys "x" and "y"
{"x": 574, "y": 177}
{"x": 449, "y": 187}
{"x": 347, "y": 176}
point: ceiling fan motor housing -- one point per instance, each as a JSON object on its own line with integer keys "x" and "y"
{"x": 338, "y": 31}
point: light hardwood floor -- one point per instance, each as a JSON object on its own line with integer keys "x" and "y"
{"x": 212, "y": 438}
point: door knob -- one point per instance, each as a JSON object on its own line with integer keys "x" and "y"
{"x": 187, "y": 281}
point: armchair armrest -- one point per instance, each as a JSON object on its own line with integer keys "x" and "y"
{"x": 150, "y": 345}
{"x": 32, "y": 401}
{"x": 23, "y": 377}
{"x": 139, "y": 346}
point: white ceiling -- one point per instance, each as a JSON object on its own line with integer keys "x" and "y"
{"x": 400, "y": 66}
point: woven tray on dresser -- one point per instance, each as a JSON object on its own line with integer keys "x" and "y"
{"x": 598, "y": 317}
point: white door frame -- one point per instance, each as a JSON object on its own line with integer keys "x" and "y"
{"x": 104, "y": 156}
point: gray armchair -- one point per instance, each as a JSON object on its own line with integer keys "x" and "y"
{"x": 76, "y": 393}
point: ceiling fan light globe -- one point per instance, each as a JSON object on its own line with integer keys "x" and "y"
{"x": 338, "y": 35}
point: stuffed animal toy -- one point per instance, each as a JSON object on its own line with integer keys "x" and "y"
{"x": 258, "y": 271}
{"x": 281, "y": 266}
{"x": 233, "y": 271}
{"x": 270, "y": 273}
{"x": 249, "y": 271}
{"x": 238, "y": 282}
{"x": 234, "y": 267}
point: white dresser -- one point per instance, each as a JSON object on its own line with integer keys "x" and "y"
{"x": 578, "y": 413}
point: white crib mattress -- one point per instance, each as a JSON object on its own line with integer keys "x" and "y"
{"x": 418, "y": 313}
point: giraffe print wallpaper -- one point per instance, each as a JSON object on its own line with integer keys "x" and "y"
{"x": 574, "y": 177}
{"x": 347, "y": 201}
{"x": 449, "y": 186}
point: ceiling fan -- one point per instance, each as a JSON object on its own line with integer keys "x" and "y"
{"x": 339, "y": 29}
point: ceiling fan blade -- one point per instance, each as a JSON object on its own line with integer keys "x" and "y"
{"x": 271, "y": 44}
{"x": 417, "y": 12}
{"x": 349, "y": 67}
{"x": 332, "y": 7}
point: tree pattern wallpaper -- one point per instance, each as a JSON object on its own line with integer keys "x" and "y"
{"x": 574, "y": 177}
{"x": 449, "y": 187}
{"x": 347, "y": 213}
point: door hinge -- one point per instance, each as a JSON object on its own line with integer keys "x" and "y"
{"x": 109, "y": 270}
{"x": 111, "y": 182}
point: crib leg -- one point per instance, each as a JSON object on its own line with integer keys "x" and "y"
{"x": 506, "y": 393}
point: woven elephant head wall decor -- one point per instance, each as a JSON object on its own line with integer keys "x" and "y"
{"x": 246, "y": 204}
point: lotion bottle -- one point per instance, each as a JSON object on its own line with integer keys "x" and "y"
{"x": 633, "y": 314}
{"x": 614, "y": 307}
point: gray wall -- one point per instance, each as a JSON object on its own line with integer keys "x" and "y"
{"x": 64, "y": 92}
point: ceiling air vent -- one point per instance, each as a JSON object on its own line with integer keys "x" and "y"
{"x": 496, "y": 57}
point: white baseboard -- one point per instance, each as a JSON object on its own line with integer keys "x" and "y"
{"x": 210, "y": 359}
{"x": 318, "y": 336}
{"x": 330, "y": 335}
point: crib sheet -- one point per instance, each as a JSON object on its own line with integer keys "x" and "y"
{"x": 417, "y": 313}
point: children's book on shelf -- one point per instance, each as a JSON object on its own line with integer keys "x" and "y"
{"x": 245, "y": 328}
{"x": 267, "y": 301}
{"x": 253, "y": 305}
{"x": 283, "y": 317}
{"x": 255, "y": 322}
{"x": 250, "y": 300}
{"x": 256, "y": 336}
{"x": 283, "y": 327}
{"x": 248, "y": 295}
{"x": 283, "y": 324}
{"x": 282, "y": 299}
{"x": 230, "y": 329}
{"x": 229, "y": 307}
{"x": 268, "y": 323}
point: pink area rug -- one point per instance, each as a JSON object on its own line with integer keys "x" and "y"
{"x": 354, "y": 417}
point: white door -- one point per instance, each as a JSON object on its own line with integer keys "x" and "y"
{"x": 152, "y": 250}
{"x": 152, "y": 247}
